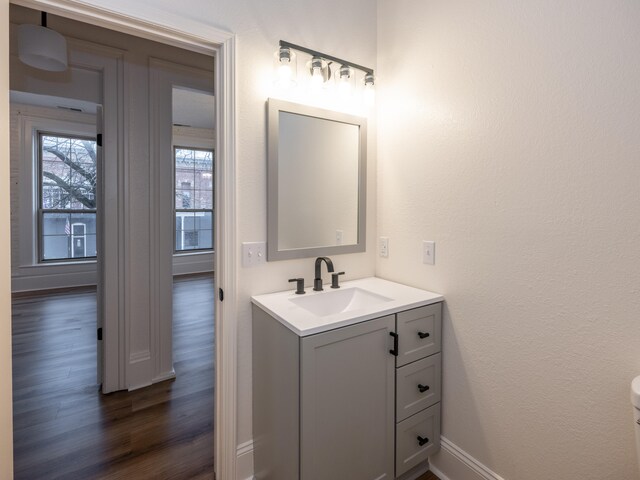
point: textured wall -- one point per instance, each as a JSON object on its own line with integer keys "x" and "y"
{"x": 509, "y": 135}
{"x": 6, "y": 429}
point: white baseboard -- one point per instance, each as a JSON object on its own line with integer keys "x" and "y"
{"x": 244, "y": 462}
{"x": 59, "y": 275}
{"x": 185, "y": 264}
{"x": 37, "y": 280}
{"x": 453, "y": 463}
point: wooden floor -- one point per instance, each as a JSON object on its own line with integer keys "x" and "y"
{"x": 428, "y": 476}
{"x": 65, "y": 429}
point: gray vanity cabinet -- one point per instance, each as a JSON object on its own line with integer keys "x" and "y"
{"x": 347, "y": 403}
{"x": 339, "y": 404}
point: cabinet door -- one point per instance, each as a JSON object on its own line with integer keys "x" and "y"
{"x": 419, "y": 333}
{"x": 347, "y": 403}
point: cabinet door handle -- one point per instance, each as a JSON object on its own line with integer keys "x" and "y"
{"x": 424, "y": 335}
{"x": 423, "y": 388}
{"x": 422, "y": 440}
{"x": 394, "y": 350}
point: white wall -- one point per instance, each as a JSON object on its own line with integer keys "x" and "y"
{"x": 346, "y": 29}
{"x": 509, "y": 135}
{"x": 6, "y": 418}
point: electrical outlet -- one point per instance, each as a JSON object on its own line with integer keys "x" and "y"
{"x": 428, "y": 252}
{"x": 254, "y": 253}
{"x": 339, "y": 234}
{"x": 384, "y": 247}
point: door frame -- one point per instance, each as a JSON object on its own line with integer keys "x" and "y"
{"x": 200, "y": 37}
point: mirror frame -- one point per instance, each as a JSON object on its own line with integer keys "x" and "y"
{"x": 274, "y": 107}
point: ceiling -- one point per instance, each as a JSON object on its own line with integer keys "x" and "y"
{"x": 52, "y": 102}
{"x": 190, "y": 107}
{"x": 193, "y": 108}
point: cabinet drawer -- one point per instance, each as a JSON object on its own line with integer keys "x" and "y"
{"x": 425, "y": 425}
{"x": 418, "y": 386}
{"x": 419, "y": 332}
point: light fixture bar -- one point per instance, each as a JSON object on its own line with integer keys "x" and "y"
{"x": 315, "y": 53}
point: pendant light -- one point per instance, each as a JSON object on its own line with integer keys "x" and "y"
{"x": 42, "y": 48}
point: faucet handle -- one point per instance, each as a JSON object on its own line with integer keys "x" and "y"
{"x": 334, "y": 279}
{"x": 299, "y": 285}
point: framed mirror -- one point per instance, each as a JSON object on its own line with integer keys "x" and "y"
{"x": 317, "y": 179}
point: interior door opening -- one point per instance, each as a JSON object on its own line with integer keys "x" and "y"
{"x": 78, "y": 420}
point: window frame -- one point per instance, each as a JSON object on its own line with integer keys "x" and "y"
{"x": 40, "y": 211}
{"x": 193, "y": 210}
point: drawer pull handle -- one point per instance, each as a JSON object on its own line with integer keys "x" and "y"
{"x": 423, "y": 388}
{"x": 422, "y": 441}
{"x": 424, "y": 335}
{"x": 394, "y": 350}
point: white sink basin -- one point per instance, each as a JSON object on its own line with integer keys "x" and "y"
{"x": 338, "y": 301}
{"x": 356, "y": 301}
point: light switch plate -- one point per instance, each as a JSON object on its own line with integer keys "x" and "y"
{"x": 384, "y": 247}
{"x": 254, "y": 253}
{"x": 428, "y": 252}
{"x": 339, "y": 235}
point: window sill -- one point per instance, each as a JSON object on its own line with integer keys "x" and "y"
{"x": 190, "y": 254}
{"x": 59, "y": 264}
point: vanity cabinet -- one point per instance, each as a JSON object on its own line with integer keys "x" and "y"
{"x": 346, "y": 403}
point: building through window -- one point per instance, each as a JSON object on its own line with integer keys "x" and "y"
{"x": 193, "y": 199}
{"x": 67, "y": 197}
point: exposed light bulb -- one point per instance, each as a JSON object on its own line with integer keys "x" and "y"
{"x": 285, "y": 67}
{"x": 284, "y": 72}
{"x": 317, "y": 79}
{"x": 369, "y": 90}
{"x": 344, "y": 81}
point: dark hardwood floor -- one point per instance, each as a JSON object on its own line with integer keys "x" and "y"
{"x": 65, "y": 429}
{"x": 428, "y": 476}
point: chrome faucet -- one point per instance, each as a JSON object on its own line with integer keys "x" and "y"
{"x": 317, "y": 282}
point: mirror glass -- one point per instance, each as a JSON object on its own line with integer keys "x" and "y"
{"x": 317, "y": 182}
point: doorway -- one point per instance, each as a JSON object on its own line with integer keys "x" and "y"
{"x": 193, "y": 159}
{"x": 200, "y": 36}
{"x": 228, "y": 151}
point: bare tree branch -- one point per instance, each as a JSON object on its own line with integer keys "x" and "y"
{"x": 88, "y": 146}
{"x": 90, "y": 176}
{"x": 74, "y": 192}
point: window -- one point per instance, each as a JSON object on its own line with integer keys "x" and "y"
{"x": 193, "y": 199}
{"x": 67, "y": 197}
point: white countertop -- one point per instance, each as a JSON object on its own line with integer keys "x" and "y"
{"x": 303, "y": 323}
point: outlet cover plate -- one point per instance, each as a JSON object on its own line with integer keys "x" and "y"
{"x": 384, "y": 247}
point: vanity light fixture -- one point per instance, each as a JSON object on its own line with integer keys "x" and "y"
{"x": 323, "y": 67}
{"x": 42, "y": 48}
